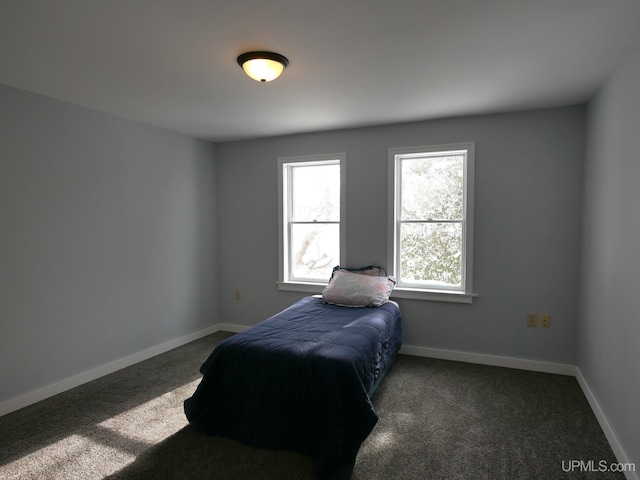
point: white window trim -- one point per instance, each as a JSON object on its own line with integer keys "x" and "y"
{"x": 300, "y": 286}
{"x": 467, "y": 295}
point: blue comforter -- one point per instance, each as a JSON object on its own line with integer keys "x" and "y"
{"x": 300, "y": 380}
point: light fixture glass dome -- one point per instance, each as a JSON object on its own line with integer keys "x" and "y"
{"x": 263, "y": 66}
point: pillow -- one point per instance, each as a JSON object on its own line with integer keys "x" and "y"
{"x": 357, "y": 290}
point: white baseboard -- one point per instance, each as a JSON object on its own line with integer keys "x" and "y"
{"x": 34, "y": 396}
{"x": 493, "y": 360}
{"x": 616, "y": 446}
{"x": 232, "y": 327}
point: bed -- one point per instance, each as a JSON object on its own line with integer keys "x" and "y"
{"x": 301, "y": 380}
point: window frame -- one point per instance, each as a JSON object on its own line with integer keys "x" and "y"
{"x": 465, "y": 293}
{"x": 298, "y": 285}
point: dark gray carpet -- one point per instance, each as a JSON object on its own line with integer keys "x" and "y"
{"x": 438, "y": 420}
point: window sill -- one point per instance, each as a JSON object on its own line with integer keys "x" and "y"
{"x": 433, "y": 295}
{"x": 302, "y": 287}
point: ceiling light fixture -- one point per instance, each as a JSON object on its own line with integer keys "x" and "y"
{"x": 263, "y": 66}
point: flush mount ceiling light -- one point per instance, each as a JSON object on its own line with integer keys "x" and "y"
{"x": 263, "y": 66}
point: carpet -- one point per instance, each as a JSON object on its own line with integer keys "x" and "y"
{"x": 438, "y": 420}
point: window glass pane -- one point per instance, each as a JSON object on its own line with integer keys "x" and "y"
{"x": 431, "y": 253}
{"x": 316, "y": 193}
{"x": 432, "y": 188}
{"x": 315, "y": 250}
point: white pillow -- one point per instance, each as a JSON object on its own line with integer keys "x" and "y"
{"x": 355, "y": 290}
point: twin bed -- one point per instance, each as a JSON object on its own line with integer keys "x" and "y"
{"x": 302, "y": 380}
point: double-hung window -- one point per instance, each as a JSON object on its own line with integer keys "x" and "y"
{"x": 311, "y": 191}
{"x": 431, "y": 221}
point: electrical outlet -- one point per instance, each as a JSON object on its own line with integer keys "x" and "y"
{"x": 532, "y": 319}
{"x": 545, "y": 320}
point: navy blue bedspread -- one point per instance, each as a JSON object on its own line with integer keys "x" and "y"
{"x": 301, "y": 381}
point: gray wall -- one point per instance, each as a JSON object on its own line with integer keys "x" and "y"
{"x": 529, "y": 173}
{"x": 609, "y": 333}
{"x": 107, "y": 239}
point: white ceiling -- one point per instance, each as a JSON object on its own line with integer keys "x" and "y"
{"x": 172, "y": 63}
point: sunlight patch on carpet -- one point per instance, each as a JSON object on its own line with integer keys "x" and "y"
{"x": 152, "y": 421}
{"x": 65, "y": 458}
{"x": 382, "y": 440}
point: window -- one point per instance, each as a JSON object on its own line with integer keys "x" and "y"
{"x": 311, "y": 194}
{"x": 431, "y": 221}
